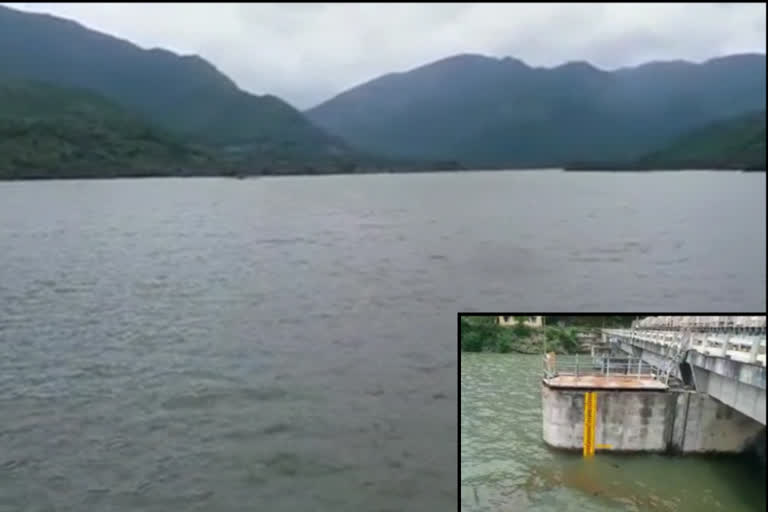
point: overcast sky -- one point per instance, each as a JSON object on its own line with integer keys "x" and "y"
{"x": 306, "y": 53}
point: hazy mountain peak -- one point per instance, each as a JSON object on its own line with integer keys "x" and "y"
{"x": 578, "y": 65}
{"x": 738, "y": 57}
{"x": 515, "y": 61}
{"x": 465, "y": 58}
{"x": 474, "y": 59}
{"x": 486, "y": 111}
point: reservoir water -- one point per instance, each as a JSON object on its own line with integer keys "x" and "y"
{"x": 207, "y": 344}
{"x": 506, "y": 466}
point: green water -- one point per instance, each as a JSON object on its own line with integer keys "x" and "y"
{"x": 505, "y": 466}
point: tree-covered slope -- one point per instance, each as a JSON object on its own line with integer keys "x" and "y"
{"x": 184, "y": 94}
{"x": 735, "y": 143}
{"x": 48, "y": 132}
{"x": 487, "y": 111}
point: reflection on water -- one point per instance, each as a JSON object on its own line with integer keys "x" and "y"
{"x": 506, "y": 467}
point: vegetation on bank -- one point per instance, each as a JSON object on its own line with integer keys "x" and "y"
{"x": 560, "y": 333}
{"x": 590, "y": 321}
{"x": 483, "y": 334}
{"x": 736, "y": 143}
{"x": 49, "y": 131}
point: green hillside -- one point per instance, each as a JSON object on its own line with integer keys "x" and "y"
{"x": 735, "y": 143}
{"x": 49, "y": 132}
{"x": 484, "y": 111}
{"x": 113, "y": 108}
{"x": 185, "y": 95}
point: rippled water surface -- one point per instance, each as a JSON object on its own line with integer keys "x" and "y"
{"x": 212, "y": 344}
{"x": 506, "y": 467}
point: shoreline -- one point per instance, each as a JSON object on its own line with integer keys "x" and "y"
{"x": 243, "y": 176}
{"x": 639, "y": 168}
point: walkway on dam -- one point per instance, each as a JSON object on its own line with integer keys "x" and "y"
{"x": 725, "y": 361}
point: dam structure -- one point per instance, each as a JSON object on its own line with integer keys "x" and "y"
{"x": 667, "y": 384}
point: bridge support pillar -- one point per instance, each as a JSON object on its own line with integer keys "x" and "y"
{"x": 672, "y": 421}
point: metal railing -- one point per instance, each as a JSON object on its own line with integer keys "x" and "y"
{"x": 741, "y": 344}
{"x": 606, "y": 367}
{"x": 701, "y": 322}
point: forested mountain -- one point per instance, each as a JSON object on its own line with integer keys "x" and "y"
{"x": 736, "y": 143}
{"x": 487, "y": 111}
{"x": 183, "y": 94}
{"x": 112, "y": 104}
{"x": 49, "y": 131}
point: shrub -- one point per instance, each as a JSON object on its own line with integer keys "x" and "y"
{"x": 520, "y": 329}
{"x": 478, "y": 334}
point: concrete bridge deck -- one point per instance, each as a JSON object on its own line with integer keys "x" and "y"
{"x": 744, "y": 347}
{"x": 729, "y": 366}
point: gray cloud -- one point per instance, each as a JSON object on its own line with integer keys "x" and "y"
{"x": 306, "y": 53}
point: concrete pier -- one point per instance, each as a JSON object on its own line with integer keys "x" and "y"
{"x": 641, "y": 418}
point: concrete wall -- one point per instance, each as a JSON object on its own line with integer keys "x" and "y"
{"x": 737, "y": 384}
{"x": 648, "y": 421}
{"x": 713, "y": 426}
{"x": 627, "y": 420}
{"x": 634, "y": 420}
{"x": 563, "y": 417}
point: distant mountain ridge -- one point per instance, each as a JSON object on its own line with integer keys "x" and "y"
{"x": 184, "y": 94}
{"x": 465, "y": 111}
{"x": 486, "y": 111}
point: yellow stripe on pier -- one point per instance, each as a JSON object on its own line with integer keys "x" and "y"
{"x": 590, "y": 410}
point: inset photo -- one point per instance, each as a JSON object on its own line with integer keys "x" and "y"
{"x": 612, "y": 412}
